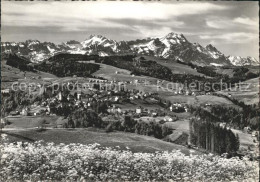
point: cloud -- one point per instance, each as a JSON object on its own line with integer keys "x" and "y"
{"x": 217, "y": 23}
{"x": 79, "y": 15}
{"x": 229, "y": 23}
{"x": 152, "y": 32}
{"x": 203, "y": 22}
{"x": 238, "y": 37}
{"x": 246, "y": 21}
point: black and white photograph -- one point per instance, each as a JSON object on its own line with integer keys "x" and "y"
{"x": 129, "y": 91}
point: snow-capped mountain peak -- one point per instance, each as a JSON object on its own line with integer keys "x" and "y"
{"x": 211, "y": 48}
{"x": 172, "y": 46}
{"x": 175, "y": 35}
{"x": 97, "y": 40}
{"x": 240, "y": 61}
{"x": 173, "y": 38}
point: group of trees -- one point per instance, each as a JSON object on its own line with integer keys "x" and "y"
{"x": 154, "y": 129}
{"x": 14, "y": 101}
{"x": 213, "y": 137}
{"x": 18, "y": 62}
{"x": 138, "y": 66}
{"x": 249, "y": 113}
{"x": 75, "y": 57}
{"x": 68, "y": 67}
{"x": 236, "y": 118}
{"x": 240, "y": 74}
{"x": 80, "y": 118}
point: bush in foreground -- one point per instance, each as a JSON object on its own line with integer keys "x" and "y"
{"x": 76, "y": 162}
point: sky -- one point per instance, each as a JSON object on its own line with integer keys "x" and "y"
{"x": 232, "y": 27}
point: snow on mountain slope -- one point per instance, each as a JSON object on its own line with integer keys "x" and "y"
{"x": 98, "y": 40}
{"x": 215, "y": 64}
{"x": 172, "y": 46}
{"x": 240, "y": 61}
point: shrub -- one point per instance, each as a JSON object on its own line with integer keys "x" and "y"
{"x": 76, "y": 162}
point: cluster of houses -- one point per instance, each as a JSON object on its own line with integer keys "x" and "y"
{"x": 91, "y": 96}
{"x": 178, "y": 107}
{"x": 90, "y": 99}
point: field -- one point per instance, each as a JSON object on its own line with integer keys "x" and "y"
{"x": 136, "y": 143}
{"x": 23, "y": 128}
{"x": 175, "y": 67}
{"x": 117, "y": 74}
{"x": 200, "y": 100}
{"x": 29, "y": 121}
{"x": 182, "y": 126}
{"x": 26, "y": 128}
{"x": 10, "y": 74}
{"x": 249, "y": 93}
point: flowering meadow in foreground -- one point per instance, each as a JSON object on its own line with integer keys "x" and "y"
{"x": 76, "y": 162}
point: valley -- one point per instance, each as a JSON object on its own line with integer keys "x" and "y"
{"x": 131, "y": 91}
{"x": 145, "y": 99}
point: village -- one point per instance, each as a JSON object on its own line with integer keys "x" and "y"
{"x": 113, "y": 100}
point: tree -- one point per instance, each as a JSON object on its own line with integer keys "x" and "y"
{"x": 41, "y": 123}
{"x": 70, "y": 123}
{"x": 237, "y": 143}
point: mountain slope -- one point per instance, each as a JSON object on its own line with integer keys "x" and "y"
{"x": 172, "y": 46}
{"x": 240, "y": 61}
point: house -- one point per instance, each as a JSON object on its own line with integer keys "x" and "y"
{"x": 222, "y": 125}
{"x": 168, "y": 119}
{"x": 48, "y": 108}
{"x": 247, "y": 129}
{"x": 4, "y": 121}
{"x": 78, "y": 103}
{"x": 59, "y": 96}
{"x": 187, "y": 92}
{"x": 25, "y": 111}
{"x": 154, "y": 114}
{"x": 186, "y": 109}
{"x": 180, "y": 91}
{"x": 44, "y": 103}
{"x": 116, "y": 99}
{"x": 193, "y": 94}
{"x": 255, "y": 134}
{"x": 119, "y": 110}
{"x": 36, "y": 113}
{"x": 177, "y": 107}
{"x": 79, "y": 96}
{"x": 14, "y": 113}
{"x": 138, "y": 110}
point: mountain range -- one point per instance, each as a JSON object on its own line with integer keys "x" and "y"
{"x": 172, "y": 46}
